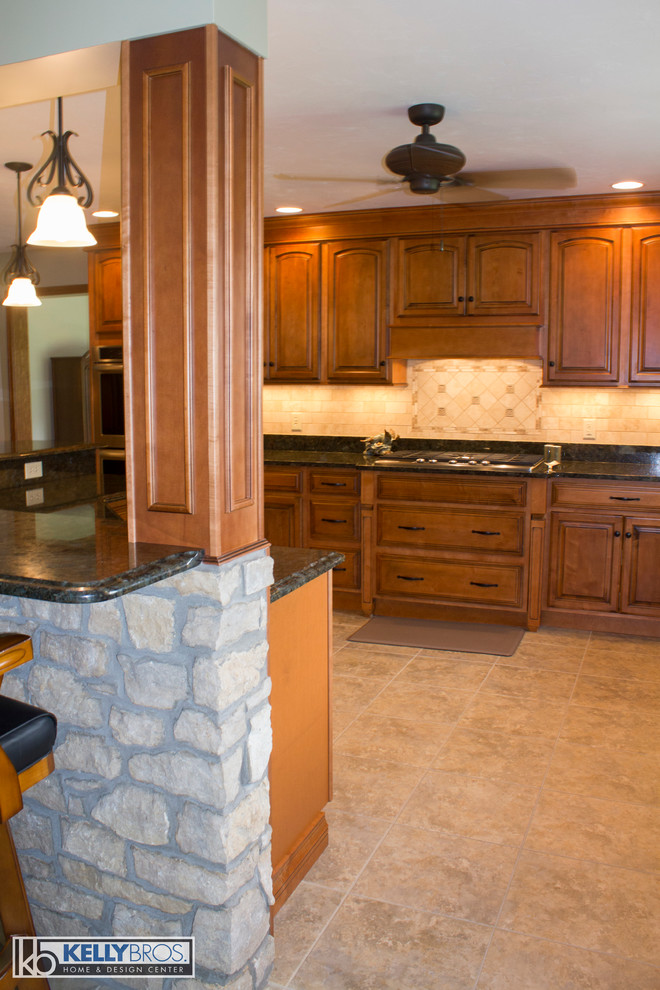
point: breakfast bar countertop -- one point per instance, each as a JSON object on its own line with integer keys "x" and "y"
{"x": 295, "y": 566}
{"x": 80, "y": 554}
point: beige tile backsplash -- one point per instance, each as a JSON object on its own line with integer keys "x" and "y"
{"x": 471, "y": 399}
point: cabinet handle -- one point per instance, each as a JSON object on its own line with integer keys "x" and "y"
{"x": 405, "y": 577}
{"x": 412, "y": 527}
{"x": 383, "y": 363}
{"x": 470, "y": 298}
{"x": 551, "y": 364}
{"x": 323, "y": 519}
{"x": 617, "y": 533}
{"x": 339, "y": 568}
{"x": 334, "y": 484}
{"x": 483, "y": 584}
{"x": 626, "y": 498}
{"x": 461, "y": 298}
{"x": 486, "y": 532}
{"x": 628, "y": 535}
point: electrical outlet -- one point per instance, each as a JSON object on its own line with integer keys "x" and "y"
{"x": 34, "y": 496}
{"x": 296, "y": 423}
{"x": 34, "y": 469}
{"x": 589, "y": 429}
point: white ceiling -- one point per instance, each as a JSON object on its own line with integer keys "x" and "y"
{"x": 525, "y": 83}
{"x": 572, "y": 84}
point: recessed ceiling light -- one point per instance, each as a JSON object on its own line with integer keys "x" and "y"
{"x": 105, "y": 213}
{"x": 288, "y": 209}
{"x": 628, "y": 184}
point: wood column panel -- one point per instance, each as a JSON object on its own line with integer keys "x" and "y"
{"x": 192, "y": 251}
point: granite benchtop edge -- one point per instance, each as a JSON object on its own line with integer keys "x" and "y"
{"x": 295, "y": 566}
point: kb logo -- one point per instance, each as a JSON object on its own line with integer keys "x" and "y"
{"x": 111, "y": 957}
{"x": 30, "y": 960}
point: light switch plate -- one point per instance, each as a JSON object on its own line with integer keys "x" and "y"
{"x": 34, "y": 496}
{"x": 296, "y": 423}
{"x": 589, "y": 429}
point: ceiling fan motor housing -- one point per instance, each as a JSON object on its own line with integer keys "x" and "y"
{"x": 424, "y": 163}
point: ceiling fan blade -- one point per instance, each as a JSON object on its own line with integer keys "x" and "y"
{"x": 360, "y": 199}
{"x": 465, "y": 192}
{"x": 523, "y": 178}
{"x": 337, "y": 178}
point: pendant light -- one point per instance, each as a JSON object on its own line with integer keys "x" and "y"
{"x": 20, "y": 274}
{"x": 61, "y": 221}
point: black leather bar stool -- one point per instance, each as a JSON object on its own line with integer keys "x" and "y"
{"x": 27, "y": 735}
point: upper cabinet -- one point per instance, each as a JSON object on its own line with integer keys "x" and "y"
{"x": 104, "y": 274}
{"x": 327, "y": 313}
{"x": 604, "y": 307}
{"x": 492, "y": 275}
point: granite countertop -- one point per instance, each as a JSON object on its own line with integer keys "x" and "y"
{"x": 80, "y": 554}
{"x": 605, "y": 462}
{"x": 295, "y": 566}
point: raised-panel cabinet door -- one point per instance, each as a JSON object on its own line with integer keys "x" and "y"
{"x": 356, "y": 310}
{"x": 282, "y": 520}
{"x": 585, "y": 558}
{"x": 503, "y": 277}
{"x": 645, "y": 326}
{"x": 430, "y": 277}
{"x": 293, "y": 313}
{"x": 585, "y": 299}
{"x": 640, "y": 585}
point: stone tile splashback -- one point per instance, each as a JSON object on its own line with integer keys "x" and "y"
{"x": 156, "y": 819}
{"x": 474, "y": 399}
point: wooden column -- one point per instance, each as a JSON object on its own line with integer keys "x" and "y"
{"x": 18, "y": 352}
{"x": 192, "y": 249}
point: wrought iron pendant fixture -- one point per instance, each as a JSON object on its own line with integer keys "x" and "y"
{"x": 20, "y": 274}
{"x": 61, "y": 221}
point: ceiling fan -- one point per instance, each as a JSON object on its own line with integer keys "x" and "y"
{"x": 428, "y": 167}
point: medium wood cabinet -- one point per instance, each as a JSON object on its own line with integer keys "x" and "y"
{"x": 584, "y": 326}
{"x": 600, "y": 560}
{"x": 105, "y": 286}
{"x": 293, "y": 347}
{"x": 491, "y": 275}
{"x": 327, "y": 308}
{"x": 644, "y": 360}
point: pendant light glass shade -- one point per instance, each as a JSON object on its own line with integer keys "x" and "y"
{"x": 61, "y": 223}
{"x": 21, "y": 293}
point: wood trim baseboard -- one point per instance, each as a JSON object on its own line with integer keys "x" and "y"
{"x": 290, "y": 871}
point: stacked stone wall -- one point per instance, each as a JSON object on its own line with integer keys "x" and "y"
{"x": 155, "y": 821}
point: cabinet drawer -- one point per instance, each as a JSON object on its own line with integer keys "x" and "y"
{"x": 347, "y": 574}
{"x": 615, "y": 496}
{"x": 452, "y": 489}
{"x": 282, "y": 479}
{"x": 332, "y": 521}
{"x": 495, "y": 532}
{"x": 334, "y": 482}
{"x": 450, "y": 580}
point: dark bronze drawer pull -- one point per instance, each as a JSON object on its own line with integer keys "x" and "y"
{"x": 626, "y": 498}
{"x": 339, "y": 568}
{"x": 483, "y": 584}
{"x": 486, "y": 532}
{"x": 406, "y": 577}
{"x": 334, "y": 484}
{"x": 412, "y": 527}
{"x": 323, "y": 519}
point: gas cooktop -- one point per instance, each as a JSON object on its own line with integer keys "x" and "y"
{"x": 453, "y": 460}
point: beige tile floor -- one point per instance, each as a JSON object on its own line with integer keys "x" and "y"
{"x": 495, "y": 822}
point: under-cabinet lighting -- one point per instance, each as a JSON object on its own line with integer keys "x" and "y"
{"x": 627, "y": 184}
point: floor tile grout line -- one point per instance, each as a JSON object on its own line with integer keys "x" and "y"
{"x": 521, "y": 848}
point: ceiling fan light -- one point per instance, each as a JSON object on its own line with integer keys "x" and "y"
{"x": 61, "y": 223}
{"x": 21, "y": 293}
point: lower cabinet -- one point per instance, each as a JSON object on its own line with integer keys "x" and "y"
{"x": 602, "y": 561}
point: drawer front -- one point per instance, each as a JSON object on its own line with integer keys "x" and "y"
{"x": 332, "y": 521}
{"x": 452, "y": 489}
{"x": 334, "y": 482}
{"x": 278, "y": 479}
{"x": 495, "y": 532}
{"x": 450, "y": 580}
{"x": 347, "y": 574}
{"x": 615, "y": 496}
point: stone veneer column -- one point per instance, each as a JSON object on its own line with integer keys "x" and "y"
{"x": 155, "y": 821}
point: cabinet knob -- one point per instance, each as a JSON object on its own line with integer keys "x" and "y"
{"x": 470, "y": 298}
{"x": 628, "y": 535}
{"x": 617, "y": 533}
{"x": 383, "y": 363}
{"x": 551, "y": 364}
{"x": 271, "y": 364}
{"x": 461, "y": 298}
